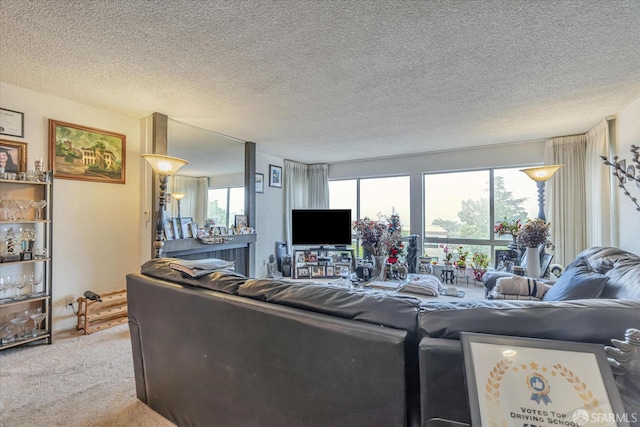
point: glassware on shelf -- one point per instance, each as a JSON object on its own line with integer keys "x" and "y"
{"x": 19, "y": 283}
{"x": 20, "y": 320}
{"x": 11, "y": 209}
{"x": 39, "y": 205}
{"x": 4, "y": 286}
{"x": 40, "y": 253}
{"x": 23, "y": 205}
{"x": 35, "y": 278}
{"x": 7, "y": 333}
{"x": 37, "y": 316}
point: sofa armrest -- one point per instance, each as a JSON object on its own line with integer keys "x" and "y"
{"x": 443, "y": 393}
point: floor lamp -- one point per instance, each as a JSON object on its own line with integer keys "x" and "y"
{"x": 178, "y": 197}
{"x": 163, "y": 166}
{"x": 540, "y": 175}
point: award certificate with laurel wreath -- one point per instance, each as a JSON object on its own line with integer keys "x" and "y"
{"x": 528, "y": 382}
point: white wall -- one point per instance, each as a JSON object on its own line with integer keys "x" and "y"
{"x": 269, "y": 212}
{"x": 628, "y": 133}
{"x": 96, "y": 226}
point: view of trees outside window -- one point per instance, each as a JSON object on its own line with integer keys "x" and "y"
{"x": 377, "y": 196}
{"x": 224, "y": 204}
{"x": 458, "y": 208}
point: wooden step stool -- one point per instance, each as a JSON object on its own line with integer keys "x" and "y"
{"x": 94, "y": 316}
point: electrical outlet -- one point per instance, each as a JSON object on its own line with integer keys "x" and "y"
{"x": 69, "y": 302}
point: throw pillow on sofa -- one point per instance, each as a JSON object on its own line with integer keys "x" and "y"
{"x": 578, "y": 281}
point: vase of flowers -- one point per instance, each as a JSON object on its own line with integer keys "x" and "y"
{"x": 511, "y": 228}
{"x": 480, "y": 262}
{"x": 382, "y": 239}
{"x": 534, "y": 234}
{"x": 448, "y": 256}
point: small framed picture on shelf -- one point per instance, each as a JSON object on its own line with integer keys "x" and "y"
{"x": 300, "y": 257}
{"x": 331, "y": 272}
{"x": 312, "y": 257}
{"x": 339, "y": 266}
{"x": 275, "y": 176}
{"x": 240, "y": 222}
{"x": 222, "y": 230}
{"x": 318, "y": 271}
{"x": 169, "y": 233}
{"x": 302, "y": 272}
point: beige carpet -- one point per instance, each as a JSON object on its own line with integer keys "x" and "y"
{"x": 79, "y": 380}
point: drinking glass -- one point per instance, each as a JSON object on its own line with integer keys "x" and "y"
{"x": 37, "y": 316}
{"x": 4, "y": 285}
{"x": 21, "y": 318}
{"x": 344, "y": 273}
{"x": 7, "y": 333}
{"x": 39, "y": 205}
{"x": 35, "y": 279}
{"x": 19, "y": 283}
{"x": 23, "y": 205}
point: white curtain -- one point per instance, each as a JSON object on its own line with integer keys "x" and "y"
{"x": 306, "y": 187}
{"x": 196, "y": 201}
{"x": 599, "y": 215}
{"x": 566, "y": 197}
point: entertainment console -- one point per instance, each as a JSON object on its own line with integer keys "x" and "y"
{"x": 321, "y": 261}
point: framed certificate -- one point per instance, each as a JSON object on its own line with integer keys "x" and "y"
{"x": 524, "y": 381}
{"x": 11, "y": 123}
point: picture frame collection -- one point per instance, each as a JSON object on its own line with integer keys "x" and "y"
{"x": 308, "y": 264}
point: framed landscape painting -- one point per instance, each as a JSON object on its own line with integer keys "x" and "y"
{"x": 86, "y": 154}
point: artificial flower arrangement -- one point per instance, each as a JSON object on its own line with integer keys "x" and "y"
{"x": 535, "y": 232}
{"x": 448, "y": 253}
{"x": 462, "y": 257}
{"x": 480, "y": 261}
{"x": 505, "y": 226}
{"x": 381, "y": 237}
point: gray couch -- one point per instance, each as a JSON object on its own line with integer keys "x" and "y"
{"x": 230, "y": 351}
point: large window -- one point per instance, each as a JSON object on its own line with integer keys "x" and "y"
{"x": 368, "y": 197}
{"x": 224, "y": 204}
{"x": 461, "y": 208}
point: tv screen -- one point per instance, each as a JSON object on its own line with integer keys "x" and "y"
{"x": 322, "y": 227}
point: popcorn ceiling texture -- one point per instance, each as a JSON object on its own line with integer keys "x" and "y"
{"x": 324, "y": 81}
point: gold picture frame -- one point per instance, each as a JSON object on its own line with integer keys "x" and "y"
{"x": 86, "y": 154}
{"x": 16, "y": 155}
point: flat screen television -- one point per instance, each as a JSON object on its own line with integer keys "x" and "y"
{"x": 321, "y": 227}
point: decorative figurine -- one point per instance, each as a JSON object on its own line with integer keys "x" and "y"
{"x": 412, "y": 253}
{"x": 10, "y": 242}
{"x": 272, "y": 268}
{"x": 624, "y": 358}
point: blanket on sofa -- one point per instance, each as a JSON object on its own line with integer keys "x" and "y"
{"x": 518, "y": 287}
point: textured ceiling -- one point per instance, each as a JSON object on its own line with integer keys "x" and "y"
{"x": 325, "y": 81}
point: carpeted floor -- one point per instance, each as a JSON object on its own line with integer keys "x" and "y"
{"x": 79, "y": 380}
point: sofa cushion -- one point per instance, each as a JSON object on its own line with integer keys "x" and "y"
{"x": 223, "y": 280}
{"x": 594, "y": 320}
{"x": 372, "y": 306}
{"x": 577, "y": 282}
{"x": 621, "y": 267}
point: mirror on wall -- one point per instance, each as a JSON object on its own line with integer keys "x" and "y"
{"x": 210, "y": 154}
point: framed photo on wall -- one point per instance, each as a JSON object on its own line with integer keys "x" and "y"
{"x": 13, "y": 156}
{"x": 86, "y": 154}
{"x": 275, "y": 176}
{"x": 559, "y": 380}
{"x": 259, "y": 183}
